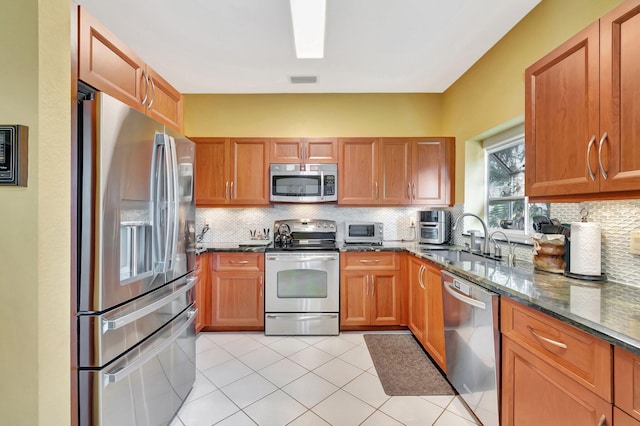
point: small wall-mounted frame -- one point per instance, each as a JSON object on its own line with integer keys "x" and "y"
{"x": 14, "y": 165}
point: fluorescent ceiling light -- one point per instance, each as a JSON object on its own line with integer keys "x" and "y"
{"x": 308, "y": 18}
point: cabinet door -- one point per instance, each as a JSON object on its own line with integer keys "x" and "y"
{"x": 237, "y": 299}
{"x": 417, "y": 298}
{"x": 620, "y": 418}
{"x": 212, "y": 169}
{"x": 627, "y": 381}
{"x": 249, "y": 183}
{"x": 107, "y": 64}
{"x": 321, "y": 150}
{"x": 433, "y": 172}
{"x": 620, "y": 98}
{"x": 561, "y": 118}
{"x": 286, "y": 150}
{"x": 534, "y": 393}
{"x": 395, "y": 171}
{"x": 434, "y": 342}
{"x": 385, "y": 298}
{"x": 203, "y": 272}
{"x": 164, "y": 102}
{"x": 354, "y": 298}
{"x": 358, "y": 171}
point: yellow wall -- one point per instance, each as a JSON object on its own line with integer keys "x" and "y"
{"x": 34, "y": 225}
{"x": 282, "y": 115}
{"x": 491, "y": 93}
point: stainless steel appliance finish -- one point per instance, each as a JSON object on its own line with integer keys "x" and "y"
{"x": 303, "y": 183}
{"x": 435, "y": 227}
{"x": 302, "y": 279}
{"x": 364, "y": 233}
{"x": 472, "y": 344}
{"x": 136, "y": 337}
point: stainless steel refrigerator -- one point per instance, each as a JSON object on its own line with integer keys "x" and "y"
{"x": 135, "y": 313}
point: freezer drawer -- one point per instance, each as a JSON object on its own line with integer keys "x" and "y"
{"x": 147, "y": 385}
{"x": 102, "y": 338}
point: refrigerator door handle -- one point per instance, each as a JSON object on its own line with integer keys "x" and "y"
{"x": 115, "y": 323}
{"x": 172, "y": 182}
{"x": 121, "y": 373}
{"x": 162, "y": 197}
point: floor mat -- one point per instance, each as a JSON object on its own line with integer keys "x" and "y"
{"x": 404, "y": 368}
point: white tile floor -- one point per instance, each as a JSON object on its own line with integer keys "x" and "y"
{"x": 250, "y": 378}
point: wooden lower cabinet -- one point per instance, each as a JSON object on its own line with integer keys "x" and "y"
{"x": 237, "y": 291}
{"x": 426, "y": 317}
{"x": 536, "y": 393}
{"x": 620, "y": 418}
{"x": 370, "y": 290}
{"x": 203, "y": 273}
{"x": 627, "y": 383}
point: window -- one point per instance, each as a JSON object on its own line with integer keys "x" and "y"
{"x": 506, "y": 206}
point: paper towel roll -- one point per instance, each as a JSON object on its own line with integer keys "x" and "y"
{"x": 585, "y": 248}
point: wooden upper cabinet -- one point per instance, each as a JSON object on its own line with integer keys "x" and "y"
{"x": 249, "y": 180}
{"x": 165, "y": 102}
{"x": 108, "y": 65}
{"x": 620, "y": 98}
{"x": 304, "y": 150}
{"x": 211, "y": 171}
{"x": 561, "y": 117}
{"x": 581, "y": 112}
{"x": 358, "y": 171}
{"x": 433, "y": 171}
{"x": 231, "y": 171}
{"x": 395, "y": 171}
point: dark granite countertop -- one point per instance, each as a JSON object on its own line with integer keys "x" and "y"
{"x": 608, "y": 310}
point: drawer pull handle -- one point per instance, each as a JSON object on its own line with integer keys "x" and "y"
{"x": 369, "y": 260}
{"x": 603, "y": 421}
{"x": 239, "y": 262}
{"x": 545, "y": 339}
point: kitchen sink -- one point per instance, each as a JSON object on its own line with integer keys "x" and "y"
{"x": 456, "y": 256}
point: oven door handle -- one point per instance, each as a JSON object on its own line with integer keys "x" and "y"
{"x": 302, "y": 259}
{"x": 306, "y": 317}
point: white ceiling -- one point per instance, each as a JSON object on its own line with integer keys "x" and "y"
{"x": 246, "y": 46}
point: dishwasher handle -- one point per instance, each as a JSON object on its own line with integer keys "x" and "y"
{"x": 465, "y": 299}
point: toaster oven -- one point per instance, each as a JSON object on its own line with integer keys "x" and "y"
{"x": 363, "y": 233}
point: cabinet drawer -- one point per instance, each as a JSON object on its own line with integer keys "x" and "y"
{"x": 369, "y": 261}
{"x": 583, "y": 357}
{"x": 627, "y": 381}
{"x": 238, "y": 262}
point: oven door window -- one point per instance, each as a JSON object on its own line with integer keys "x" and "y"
{"x": 429, "y": 231}
{"x": 296, "y": 185}
{"x": 361, "y": 230}
{"x": 302, "y": 283}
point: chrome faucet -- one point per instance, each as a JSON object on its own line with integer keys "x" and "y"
{"x": 484, "y": 228}
{"x": 511, "y": 257}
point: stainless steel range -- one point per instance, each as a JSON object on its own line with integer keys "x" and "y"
{"x": 302, "y": 279}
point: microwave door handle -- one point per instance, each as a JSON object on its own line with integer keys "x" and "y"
{"x": 322, "y": 185}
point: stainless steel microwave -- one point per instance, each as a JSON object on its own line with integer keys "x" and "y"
{"x": 303, "y": 183}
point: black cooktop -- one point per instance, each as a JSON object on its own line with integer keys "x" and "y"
{"x": 303, "y": 247}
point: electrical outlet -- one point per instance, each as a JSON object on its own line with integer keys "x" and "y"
{"x": 412, "y": 223}
{"x": 634, "y": 247}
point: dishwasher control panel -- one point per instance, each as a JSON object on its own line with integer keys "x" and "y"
{"x": 462, "y": 287}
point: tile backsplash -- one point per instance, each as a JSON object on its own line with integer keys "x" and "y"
{"x": 617, "y": 219}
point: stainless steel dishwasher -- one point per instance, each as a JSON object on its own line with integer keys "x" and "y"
{"x": 472, "y": 344}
